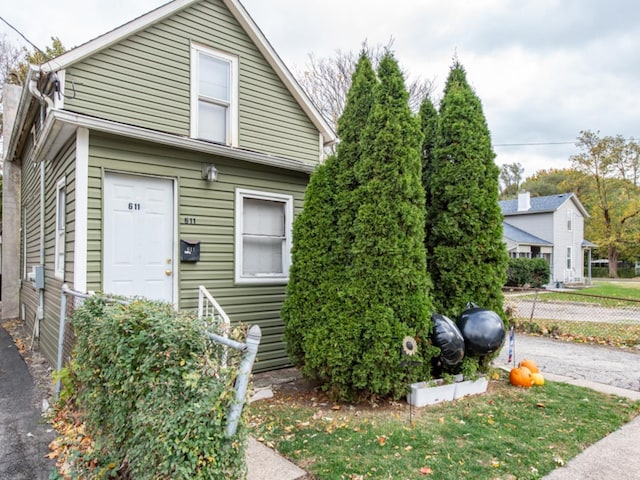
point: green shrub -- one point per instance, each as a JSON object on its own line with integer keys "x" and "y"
{"x": 518, "y": 272}
{"x": 466, "y": 257}
{"x": 540, "y": 272}
{"x": 534, "y": 272}
{"x": 358, "y": 283}
{"x": 154, "y": 399}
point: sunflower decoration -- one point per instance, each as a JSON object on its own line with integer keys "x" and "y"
{"x": 409, "y": 346}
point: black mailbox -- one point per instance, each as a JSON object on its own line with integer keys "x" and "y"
{"x": 189, "y": 251}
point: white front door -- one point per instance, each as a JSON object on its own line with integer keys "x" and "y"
{"x": 139, "y": 236}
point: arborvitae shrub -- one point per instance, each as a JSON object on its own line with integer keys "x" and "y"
{"x": 466, "y": 256}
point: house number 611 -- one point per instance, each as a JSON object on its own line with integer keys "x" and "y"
{"x": 134, "y": 206}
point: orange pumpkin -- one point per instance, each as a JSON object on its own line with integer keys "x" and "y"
{"x": 530, "y": 364}
{"x": 538, "y": 379}
{"x": 521, "y": 377}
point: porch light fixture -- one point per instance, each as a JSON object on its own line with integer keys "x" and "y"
{"x": 209, "y": 172}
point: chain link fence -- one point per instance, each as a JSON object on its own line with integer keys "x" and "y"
{"x": 575, "y": 315}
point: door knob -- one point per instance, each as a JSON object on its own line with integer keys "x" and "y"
{"x": 168, "y": 273}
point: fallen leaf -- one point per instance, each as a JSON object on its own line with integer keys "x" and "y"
{"x": 426, "y": 471}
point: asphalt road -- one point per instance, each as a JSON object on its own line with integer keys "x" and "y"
{"x": 595, "y": 363}
{"x": 24, "y": 436}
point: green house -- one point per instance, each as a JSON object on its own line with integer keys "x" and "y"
{"x": 168, "y": 154}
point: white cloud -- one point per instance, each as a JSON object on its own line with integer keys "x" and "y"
{"x": 544, "y": 69}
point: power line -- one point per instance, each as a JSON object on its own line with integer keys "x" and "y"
{"x": 532, "y": 144}
{"x": 25, "y": 38}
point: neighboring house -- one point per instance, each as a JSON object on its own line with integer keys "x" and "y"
{"x": 550, "y": 227}
{"x": 169, "y": 153}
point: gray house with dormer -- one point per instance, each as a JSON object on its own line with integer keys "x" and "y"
{"x": 549, "y": 227}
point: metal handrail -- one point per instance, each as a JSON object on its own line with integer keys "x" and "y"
{"x": 208, "y": 307}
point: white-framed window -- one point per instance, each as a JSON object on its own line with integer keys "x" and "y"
{"x": 263, "y": 226}
{"x": 569, "y": 220}
{"x": 569, "y": 258}
{"x": 214, "y": 95}
{"x": 61, "y": 216}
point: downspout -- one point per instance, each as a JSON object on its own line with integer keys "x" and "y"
{"x": 44, "y": 103}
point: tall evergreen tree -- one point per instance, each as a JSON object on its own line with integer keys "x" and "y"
{"x": 314, "y": 237}
{"x": 389, "y": 282}
{"x": 428, "y": 124}
{"x": 466, "y": 257}
{"x": 317, "y": 330}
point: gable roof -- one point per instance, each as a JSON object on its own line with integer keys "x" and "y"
{"x": 546, "y": 204}
{"x": 242, "y": 16}
{"x": 521, "y": 237}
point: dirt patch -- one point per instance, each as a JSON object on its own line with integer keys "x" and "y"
{"x": 289, "y": 387}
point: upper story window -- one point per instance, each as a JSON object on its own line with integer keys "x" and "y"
{"x": 570, "y": 220}
{"x": 214, "y": 96}
{"x": 263, "y": 236}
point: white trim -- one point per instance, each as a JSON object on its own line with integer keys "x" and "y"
{"x": 287, "y": 200}
{"x": 60, "y": 235}
{"x": 81, "y": 210}
{"x": 57, "y": 119}
{"x": 232, "y": 125}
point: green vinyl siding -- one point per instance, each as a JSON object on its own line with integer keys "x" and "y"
{"x": 212, "y": 205}
{"x": 61, "y": 166}
{"x": 144, "y": 80}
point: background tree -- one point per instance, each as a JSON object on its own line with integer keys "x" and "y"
{"x": 466, "y": 256}
{"x": 327, "y": 80}
{"x": 609, "y": 189}
{"x": 15, "y": 61}
{"x": 552, "y": 182}
{"x": 10, "y": 56}
{"x": 510, "y": 179}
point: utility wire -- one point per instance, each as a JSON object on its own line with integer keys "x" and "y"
{"x": 25, "y": 38}
{"x": 532, "y": 144}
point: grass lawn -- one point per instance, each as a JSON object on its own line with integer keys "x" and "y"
{"x": 603, "y": 333}
{"x": 506, "y": 433}
{"x": 615, "y": 291}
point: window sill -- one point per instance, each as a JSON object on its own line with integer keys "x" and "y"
{"x": 261, "y": 280}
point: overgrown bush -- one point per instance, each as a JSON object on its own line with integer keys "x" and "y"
{"x": 518, "y": 272}
{"x": 534, "y": 272}
{"x": 153, "y": 399}
{"x": 540, "y": 272}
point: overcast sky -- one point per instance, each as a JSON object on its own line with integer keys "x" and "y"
{"x": 544, "y": 69}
